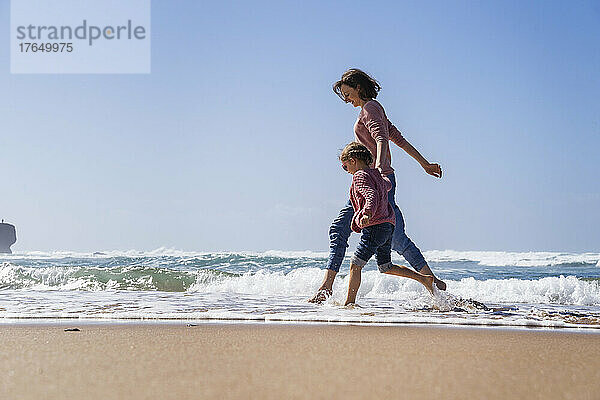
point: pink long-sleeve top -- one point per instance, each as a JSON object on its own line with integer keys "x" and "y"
{"x": 368, "y": 194}
{"x": 373, "y": 126}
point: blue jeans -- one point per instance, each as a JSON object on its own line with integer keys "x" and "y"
{"x": 375, "y": 239}
{"x": 340, "y": 230}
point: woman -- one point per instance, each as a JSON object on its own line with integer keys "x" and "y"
{"x": 373, "y": 130}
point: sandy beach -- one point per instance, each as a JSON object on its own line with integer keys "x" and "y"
{"x": 261, "y": 361}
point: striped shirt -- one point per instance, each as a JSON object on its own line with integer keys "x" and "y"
{"x": 368, "y": 195}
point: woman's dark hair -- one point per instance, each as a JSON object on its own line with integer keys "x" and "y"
{"x": 355, "y": 78}
{"x": 358, "y": 152}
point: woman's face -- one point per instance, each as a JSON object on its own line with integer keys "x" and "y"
{"x": 351, "y": 95}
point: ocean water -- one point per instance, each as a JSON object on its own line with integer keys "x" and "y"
{"x": 484, "y": 288}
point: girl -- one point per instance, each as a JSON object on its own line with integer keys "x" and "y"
{"x": 374, "y": 217}
{"x": 373, "y": 130}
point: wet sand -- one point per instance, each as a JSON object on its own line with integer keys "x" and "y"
{"x": 262, "y": 361}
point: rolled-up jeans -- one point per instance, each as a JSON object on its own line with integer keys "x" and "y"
{"x": 340, "y": 230}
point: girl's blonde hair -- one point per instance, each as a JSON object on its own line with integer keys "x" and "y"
{"x": 358, "y": 152}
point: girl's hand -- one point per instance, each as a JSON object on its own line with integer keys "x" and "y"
{"x": 364, "y": 220}
{"x": 433, "y": 169}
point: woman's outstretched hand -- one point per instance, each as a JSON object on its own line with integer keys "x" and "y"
{"x": 433, "y": 169}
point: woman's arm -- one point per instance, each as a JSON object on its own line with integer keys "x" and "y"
{"x": 431, "y": 169}
{"x": 377, "y": 124}
{"x": 382, "y": 148}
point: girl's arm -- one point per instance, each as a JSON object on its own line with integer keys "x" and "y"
{"x": 364, "y": 188}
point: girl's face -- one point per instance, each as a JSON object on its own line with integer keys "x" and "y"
{"x": 351, "y": 95}
{"x": 350, "y": 166}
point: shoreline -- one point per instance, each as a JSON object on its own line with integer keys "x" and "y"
{"x": 274, "y": 361}
{"x": 50, "y": 321}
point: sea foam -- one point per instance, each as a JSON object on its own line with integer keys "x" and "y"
{"x": 494, "y": 288}
{"x": 489, "y": 258}
{"x": 302, "y": 281}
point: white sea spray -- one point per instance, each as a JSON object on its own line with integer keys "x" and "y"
{"x": 492, "y": 288}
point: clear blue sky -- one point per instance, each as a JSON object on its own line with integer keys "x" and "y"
{"x": 231, "y": 142}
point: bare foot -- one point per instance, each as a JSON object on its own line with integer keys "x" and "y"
{"x": 427, "y": 271}
{"x": 439, "y": 283}
{"x": 428, "y": 282}
{"x": 321, "y": 296}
